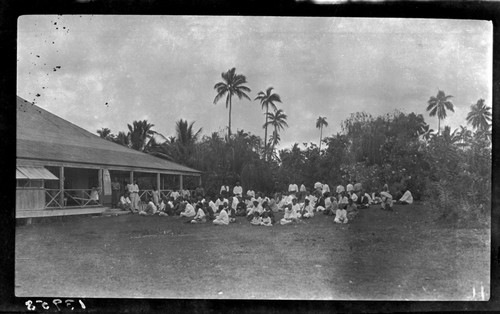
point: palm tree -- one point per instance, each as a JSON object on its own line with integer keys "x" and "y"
{"x": 104, "y": 132}
{"x": 232, "y": 84}
{"x": 438, "y": 105}
{"x": 122, "y": 138}
{"x": 425, "y": 132}
{"x": 479, "y": 116}
{"x": 140, "y": 133}
{"x": 320, "y": 123}
{"x": 277, "y": 120}
{"x": 267, "y": 99}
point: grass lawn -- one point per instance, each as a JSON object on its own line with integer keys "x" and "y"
{"x": 381, "y": 255}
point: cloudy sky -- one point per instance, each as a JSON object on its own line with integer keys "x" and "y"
{"x": 107, "y": 71}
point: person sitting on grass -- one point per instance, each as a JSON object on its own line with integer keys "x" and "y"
{"x": 341, "y": 216}
{"x": 150, "y": 209}
{"x": 273, "y": 205}
{"x": 307, "y": 210}
{"x": 266, "y": 209}
{"x": 266, "y": 220}
{"x": 386, "y": 199}
{"x": 332, "y": 209}
{"x": 200, "y": 217}
{"x": 290, "y": 215}
{"x": 241, "y": 209}
{"x": 255, "y": 208}
{"x": 125, "y": 203}
{"x": 354, "y": 196}
{"x": 363, "y": 201}
{"x": 376, "y": 198}
{"x": 351, "y": 210}
{"x": 221, "y": 201}
{"x": 406, "y": 199}
{"x": 256, "y": 220}
{"x": 320, "y": 204}
{"x": 162, "y": 209}
{"x": 188, "y": 210}
{"x": 222, "y": 218}
{"x": 343, "y": 200}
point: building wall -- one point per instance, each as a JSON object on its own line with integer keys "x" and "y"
{"x": 30, "y": 198}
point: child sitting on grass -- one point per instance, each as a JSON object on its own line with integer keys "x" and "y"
{"x": 341, "y": 216}
{"x": 162, "y": 211}
{"x": 290, "y": 215}
{"x": 307, "y": 210}
{"x": 351, "y": 210}
{"x": 268, "y": 211}
{"x": 332, "y": 209}
{"x": 200, "y": 217}
{"x": 222, "y": 218}
{"x": 266, "y": 220}
{"x": 257, "y": 220}
{"x": 386, "y": 199}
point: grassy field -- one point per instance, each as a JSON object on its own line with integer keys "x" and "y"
{"x": 400, "y": 255}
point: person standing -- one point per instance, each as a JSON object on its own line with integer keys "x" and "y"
{"x": 134, "y": 195}
{"x": 115, "y": 193}
{"x": 237, "y": 190}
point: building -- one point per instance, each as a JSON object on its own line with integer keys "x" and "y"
{"x": 62, "y": 169}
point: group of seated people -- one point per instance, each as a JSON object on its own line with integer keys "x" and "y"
{"x": 260, "y": 209}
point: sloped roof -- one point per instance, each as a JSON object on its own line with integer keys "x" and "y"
{"x": 44, "y": 136}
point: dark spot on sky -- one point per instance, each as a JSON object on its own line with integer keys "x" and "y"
{"x": 57, "y": 27}
{"x": 64, "y": 27}
{"x": 37, "y": 56}
{"x": 37, "y": 95}
{"x": 53, "y": 43}
{"x": 43, "y": 87}
{"x": 55, "y": 23}
{"x": 58, "y": 66}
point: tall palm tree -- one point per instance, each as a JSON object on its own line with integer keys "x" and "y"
{"x": 320, "y": 123}
{"x": 267, "y": 99}
{"x": 479, "y": 116}
{"x": 277, "y": 120}
{"x": 232, "y": 84}
{"x": 438, "y": 105}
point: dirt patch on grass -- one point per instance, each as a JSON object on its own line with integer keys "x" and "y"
{"x": 381, "y": 255}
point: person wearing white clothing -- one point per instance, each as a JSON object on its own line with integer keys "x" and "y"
{"x": 340, "y": 189}
{"x": 175, "y": 195}
{"x": 341, "y": 216}
{"x": 224, "y": 189}
{"x": 354, "y": 197}
{"x": 349, "y": 188}
{"x": 318, "y": 185}
{"x": 307, "y": 210}
{"x": 222, "y": 219}
{"x": 200, "y": 216}
{"x": 237, "y": 190}
{"x": 386, "y": 200}
{"x": 325, "y": 189}
{"x": 149, "y": 210}
{"x": 302, "y": 188}
{"x": 188, "y": 211}
{"x": 293, "y": 188}
{"x": 133, "y": 189}
{"x": 251, "y": 193}
{"x": 221, "y": 201}
{"x": 406, "y": 199}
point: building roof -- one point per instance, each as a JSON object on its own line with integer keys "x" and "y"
{"x": 42, "y": 135}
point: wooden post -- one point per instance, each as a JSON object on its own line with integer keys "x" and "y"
{"x": 131, "y": 177}
{"x": 158, "y": 181}
{"x": 180, "y": 182}
{"x": 61, "y": 186}
{"x": 199, "y": 180}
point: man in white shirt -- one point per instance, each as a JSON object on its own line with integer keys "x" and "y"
{"x": 224, "y": 190}
{"x": 174, "y": 194}
{"x": 293, "y": 188}
{"x": 134, "y": 195}
{"x": 237, "y": 190}
{"x": 124, "y": 202}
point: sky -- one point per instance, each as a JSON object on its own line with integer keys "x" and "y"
{"x": 101, "y": 71}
